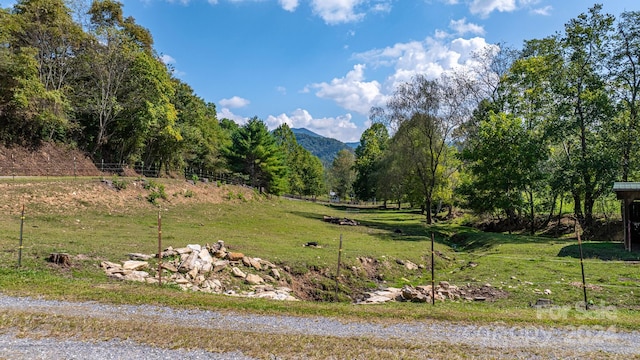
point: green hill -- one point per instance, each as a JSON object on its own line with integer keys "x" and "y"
{"x": 324, "y": 148}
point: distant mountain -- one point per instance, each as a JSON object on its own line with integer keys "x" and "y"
{"x": 297, "y": 131}
{"x": 353, "y": 145}
{"x": 324, "y": 148}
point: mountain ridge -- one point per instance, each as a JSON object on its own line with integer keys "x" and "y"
{"x": 323, "y": 147}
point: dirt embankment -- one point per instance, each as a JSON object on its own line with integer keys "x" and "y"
{"x": 46, "y": 160}
{"x": 72, "y": 196}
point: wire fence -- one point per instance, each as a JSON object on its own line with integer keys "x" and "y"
{"x": 81, "y": 168}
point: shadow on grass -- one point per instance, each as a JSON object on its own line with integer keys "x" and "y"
{"x": 394, "y": 225}
{"x": 601, "y": 250}
{"x": 409, "y": 225}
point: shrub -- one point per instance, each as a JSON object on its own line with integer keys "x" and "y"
{"x": 119, "y": 184}
{"x": 157, "y": 192}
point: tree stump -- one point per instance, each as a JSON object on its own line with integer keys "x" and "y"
{"x": 61, "y": 259}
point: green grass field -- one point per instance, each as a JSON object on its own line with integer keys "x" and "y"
{"x": 277, "y": 229}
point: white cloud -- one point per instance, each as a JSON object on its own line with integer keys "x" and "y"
{"x": 225, "y": 113}
{"x": 431, "y": 57}
{"x": 345, "y": 11}
{"x": 486, "y": 7}
{"x": 282, "y": 90}
{"x": 545, "y": 11}
{"x": 289, "y": 5}
{"x": 234, "y": 102}
{"x": 462, "y": 27}
{"x": 167, "y": 59}
{"x": 340, "y": 128}
{"x": 337, "y": 11}
{"x": 351, "y": 91}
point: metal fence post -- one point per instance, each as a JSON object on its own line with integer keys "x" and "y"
{"x": 338, "y": 271}
{"x": 21, "y": 246}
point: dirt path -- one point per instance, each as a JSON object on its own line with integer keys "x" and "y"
{"x": 513, "y": 342}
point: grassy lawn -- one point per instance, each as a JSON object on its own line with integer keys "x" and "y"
{"x": 277, "y": 229}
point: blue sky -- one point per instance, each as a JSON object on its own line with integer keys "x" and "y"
{"x": 322, "y": 64}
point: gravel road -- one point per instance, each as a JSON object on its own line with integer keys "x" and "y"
{"x": 588, "y": 339}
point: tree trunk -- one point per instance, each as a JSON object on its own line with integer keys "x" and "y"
{"x": 553, "y": 207}
{"x": 532, "y": 214}
{"x": 427, "y": 205}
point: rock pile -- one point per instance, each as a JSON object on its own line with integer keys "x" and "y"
{"x": 199, "y": 268}
{"x": 444, "y": 291}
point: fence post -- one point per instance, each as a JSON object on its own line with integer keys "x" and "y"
{"x": 584, "y": 284}
{"x": 433, "y": 272}
{"x": 21, "y": 246}
{"x": 338, "y": 271}
{"x": 159, "y": 248}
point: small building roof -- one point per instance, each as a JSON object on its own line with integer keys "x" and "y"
{"x": 629, "y": 191}
{"x": 626, "y": 186}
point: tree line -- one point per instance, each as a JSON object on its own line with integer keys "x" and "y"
{"x": 519, "y": 131}
{"x": 89, "y": 78}
{"x": 514, "y": 134}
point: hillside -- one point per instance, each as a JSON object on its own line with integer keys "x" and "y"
{"x": 324, "y": 148}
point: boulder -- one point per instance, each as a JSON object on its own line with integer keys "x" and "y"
{"x": 408, "y": 292}
{"x": 136, "y": 276}
{"x": 135, "y": 265}
{"x": 195, "y": 247}
{"x": 140, "y": 257}
{"x": 205, "y": 256}
{"x": 275, "y": 273}
{"x": 220, "y": 265}
{"x": 189, "y": 263}
{"x": 169, "y": 266}
{"x": 235, "y": 256}
{"x": 238, "y": 273}
{"x": 185, "y": 250}
{"x": 254, "y": 279}
{"x": 254, "y": 263}
{"x": 110, "y": 265}
{"x": 410, "y": 266}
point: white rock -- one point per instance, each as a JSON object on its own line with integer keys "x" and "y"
{"x": 205, "y": 256}
{"x": 238, "y": 273}
{"x": 135, "y": 265}
{"x": 195, "y": 247}
{"x": 136, "y": 276}
{"x": 254, "y": 279}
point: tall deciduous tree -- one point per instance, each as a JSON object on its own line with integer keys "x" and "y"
{"x": 424, "y": 113}
{"x": 584, "y": 108}
{"x": 342, "y": 173}
{"x": 504, "y": 160}
{"x": 40, "y": 35}
{"x": 373, "y": 144}
{"x": 624, "y": 66}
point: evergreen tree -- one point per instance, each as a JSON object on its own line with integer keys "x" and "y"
{"x": 255, "y": 153}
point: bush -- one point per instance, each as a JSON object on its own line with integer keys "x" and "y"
{"x": 157, "y": 192}
{"x": 119, "y": 184}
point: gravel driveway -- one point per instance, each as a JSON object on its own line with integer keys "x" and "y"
{"x": 611, "y": 341}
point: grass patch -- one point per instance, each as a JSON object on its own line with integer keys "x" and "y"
{"x": 276, "y": 230}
